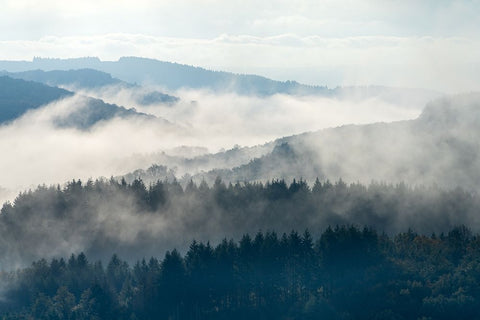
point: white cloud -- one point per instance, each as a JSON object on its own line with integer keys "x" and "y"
{"x": 32, "y": 19}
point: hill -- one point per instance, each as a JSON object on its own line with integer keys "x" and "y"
{"x": 18, "y": 96}
{"x": 174, "y": 76}
{"x": 82, "y": 78}
{"x": 440, "y": 147}
{"x": 170, "y": 75}
{"x": 90, "y": 79}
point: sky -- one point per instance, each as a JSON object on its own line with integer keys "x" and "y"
{"x": 428, "y": 44}
{"x": 433, "y": 44}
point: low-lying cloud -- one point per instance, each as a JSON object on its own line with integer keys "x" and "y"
{"x": 36, "y": 151}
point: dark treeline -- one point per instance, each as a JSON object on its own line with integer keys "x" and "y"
{"x": 135, "y": 220}
{"x": 348, "y": 273}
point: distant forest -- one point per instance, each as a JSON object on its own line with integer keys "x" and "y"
{"x": 135, "y": 220}
{"x": 347, "y": 273}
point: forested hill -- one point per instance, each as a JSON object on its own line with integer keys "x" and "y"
{"x": 344, "y": 273}
{"x": 18, "y": 96}
{"x": 89, "y": 79}
{"x": 439, "y": 147}
{"x": 87, "y": 112}
{"x": 83, "y": 78}
{"x": 174, "y": 76}
{"x": 170, "y": 75}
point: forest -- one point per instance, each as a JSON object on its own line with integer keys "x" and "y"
{"x": 255, "y": 250}
{"x": 135, "y": 220}
{"x": 347, "y": 273}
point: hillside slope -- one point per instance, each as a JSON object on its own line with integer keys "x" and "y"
{"x": 170, "y": 75}
{"x": 18, "y": 97}
{"x": 90, "y": 79}
{"x": 440, "y": 147}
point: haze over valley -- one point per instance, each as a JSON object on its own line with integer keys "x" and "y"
{"x": 98, "y": 111}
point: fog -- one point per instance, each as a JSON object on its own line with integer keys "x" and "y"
{"x": 101, "y": 218}
{"x": 37, "y": 151}
{"x": 251, "y": 120}
{"x": 440, "y": 147}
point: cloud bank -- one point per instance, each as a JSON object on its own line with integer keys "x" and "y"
{"x": 39, "y": 152}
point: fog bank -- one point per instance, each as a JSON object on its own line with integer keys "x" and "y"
{"x": 40, "y": 152}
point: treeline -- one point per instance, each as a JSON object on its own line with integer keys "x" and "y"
{"x": 134, "y": 220}
{"x": 347, "y": 273}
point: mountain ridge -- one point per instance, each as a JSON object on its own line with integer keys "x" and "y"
{"x": 174, "y": 76}
{"x": 19, "y": 96}
{"x": 90, "y": 79}
{"x": 433, "y": 149}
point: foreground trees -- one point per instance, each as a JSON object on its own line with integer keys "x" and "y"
{"x": 335, "y": 270}
{"x": 347, "y": 273}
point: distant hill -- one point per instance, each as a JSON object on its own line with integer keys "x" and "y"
{"x": 92, "y": 111}
{"x": 440, "y": 147}
{"x": 83, "y": 78}
{"x": 185, "y": 165}
{"x": 170, "y": 75}
{"x": 173, "y": 76}
{"x": 19, "y": 96}
{"x": 88, "y": 79}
